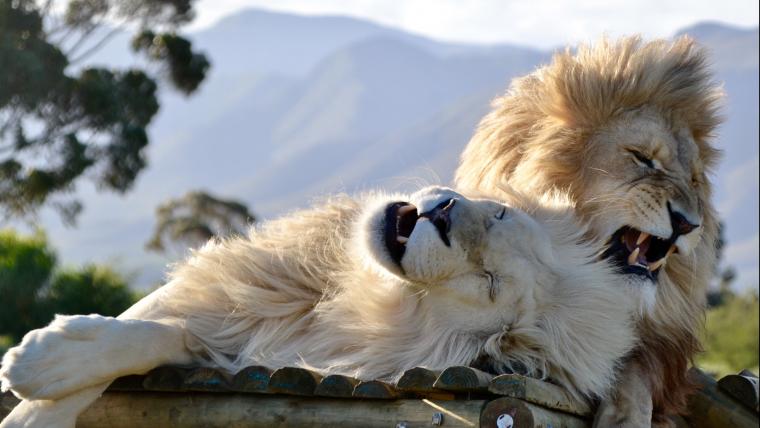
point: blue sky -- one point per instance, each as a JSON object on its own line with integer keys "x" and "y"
{"x": 539, "y": 23}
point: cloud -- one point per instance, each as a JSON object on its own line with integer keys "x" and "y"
{"x": 539, "y": 23}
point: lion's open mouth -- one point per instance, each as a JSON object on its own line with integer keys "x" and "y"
{"x": 400, "y": 219}
{"x": 639, "y": 253}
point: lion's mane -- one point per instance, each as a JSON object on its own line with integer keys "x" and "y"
{"x": 537, "y": 135}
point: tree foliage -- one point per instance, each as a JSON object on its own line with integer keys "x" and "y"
{"x": 59, "y": 120}
{"x": 195, "y": 218}
{"x": 33, "y": 289}
{"x": 731, "y": 335}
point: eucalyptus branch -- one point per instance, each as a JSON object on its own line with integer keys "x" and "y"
{"x": 94, "y": 48}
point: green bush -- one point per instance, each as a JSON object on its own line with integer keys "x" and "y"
{"x": 33, "y": 289}
{"x": 731, "y": 335}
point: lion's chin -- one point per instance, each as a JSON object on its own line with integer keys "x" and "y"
{"x": 638, "y": 253}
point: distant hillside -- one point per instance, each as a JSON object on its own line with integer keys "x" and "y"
{"x": 297, "y": 106}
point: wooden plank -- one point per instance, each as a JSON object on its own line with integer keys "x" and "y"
{"x": 166, "y": 378}
{"x": 419, "y": 380}
{"x": 743, "y": 387}
{"x": 710, "y": 407}
{"x": 503, "y": 411}
{"x": 336, "y": 386}
{"x": 128, "y": 383}
{"x": 252, "y": 379}
{"x": 463, "y": 379}
{"x": 538, "y": 392}
{"x": 375, "y": 389}
{"x": 206, "y": 379}
{"x": 7, "y": 402}
{"x": 201, "y": 410}
{"x": 294, "y": 381}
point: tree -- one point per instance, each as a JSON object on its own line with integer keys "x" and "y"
{"x": 26, "y": 265}
{"x": 33, "y": 289}
{"x": 90, "y": 289}
{"x": 195, "y": 218}
{"x": 59, "y": 120}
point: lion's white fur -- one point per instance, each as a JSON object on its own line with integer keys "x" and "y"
{"x": 306, "y": 291}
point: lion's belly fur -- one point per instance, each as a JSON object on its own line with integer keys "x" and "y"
{"x": 294, "y": 294}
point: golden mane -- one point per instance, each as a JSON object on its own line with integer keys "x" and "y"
{"x": 539, "y": 135}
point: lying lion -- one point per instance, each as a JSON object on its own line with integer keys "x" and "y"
{"x": 367, "y": 287}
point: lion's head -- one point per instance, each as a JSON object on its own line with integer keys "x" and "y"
{"x": 497, "y": 270}
{"x": 624, "y": 128}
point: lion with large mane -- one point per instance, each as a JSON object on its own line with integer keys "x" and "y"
{"x": 624, "y": 129}
{"x": 368, "y": 286}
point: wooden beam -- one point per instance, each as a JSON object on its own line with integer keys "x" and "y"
{"x": 207, "y": 379}
{"x": 463, "y": 379}
{"x": 252, "y": 379}
{"x": 527, "y": 415}
{"x": 177, "y": 410}
{"x": 538, "y": 392}
{"x": 336, "y": 386}
{"x": 743, "y": 387}
{"x": 294, "y": 381}
{"x": 376, "y": 389}
{"x": 418, "y": 380}
{"x": 166, "y": 378}
{"x": 710, "y": 407}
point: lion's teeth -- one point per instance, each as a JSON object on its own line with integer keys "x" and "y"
{"x": 671, "y": 250}
{"x": 405, "y": 209}
{"x": 402, "y": 239}
{"x": 642, "y": 237}
{"x": 656, "y": 265}
{"x": 633, "y": 256}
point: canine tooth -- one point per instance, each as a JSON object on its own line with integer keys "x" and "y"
{"x": 656, "y": 265}
{"x": 642, "y": 237}
{"x": 671, "y": 250}
{"x": 633, "y": 256}
{"x": 402, "y": 239}
{"x": 405, "y": 209}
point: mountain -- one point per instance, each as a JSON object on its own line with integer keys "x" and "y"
{"x": 296, "y": 107}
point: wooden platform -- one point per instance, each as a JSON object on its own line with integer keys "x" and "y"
{"x": 293, "y": 397}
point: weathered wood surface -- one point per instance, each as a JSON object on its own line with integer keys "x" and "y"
{"x": 294, "y": 381}
{"x": 419, "y": 380}
{"x": 463, "y": 379}
{"x": 166, "y": 379}
{"x": 377, "y": 390}
{"x": 252, "y": 379}
{"x": 713, "y": 408}
{"x": 209, "y": 410}
{"x": 743, "y": 387}
{"x": 338, "y": 386}
{"x": 184, "y": 389}
{"x": 538, "y": 392}
{"x": 524, "y": 414}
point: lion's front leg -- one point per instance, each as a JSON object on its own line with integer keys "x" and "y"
{"x": 630, "y": 405}
{"x": 75, "y": 352}
{"x": 52, "y": 413}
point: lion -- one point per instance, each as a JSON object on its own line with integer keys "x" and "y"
{"x": 625, "y": 128}
{"x": 368, "y": 287}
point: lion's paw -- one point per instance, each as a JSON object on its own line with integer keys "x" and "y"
{"x": 39, "y": 414}
{"x": 56, "y": 360}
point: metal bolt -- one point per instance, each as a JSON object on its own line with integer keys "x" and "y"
{"x": 437, "y": 419}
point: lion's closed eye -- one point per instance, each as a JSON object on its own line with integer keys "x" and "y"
{"x": 488, "y": 276}
{"x": 641, "y": 159}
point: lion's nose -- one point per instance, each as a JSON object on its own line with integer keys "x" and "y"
{"x": 441, "y": 219}
{"x": 681, "y": 225}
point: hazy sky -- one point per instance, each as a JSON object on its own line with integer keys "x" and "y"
{"x": 541, "y": 23}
